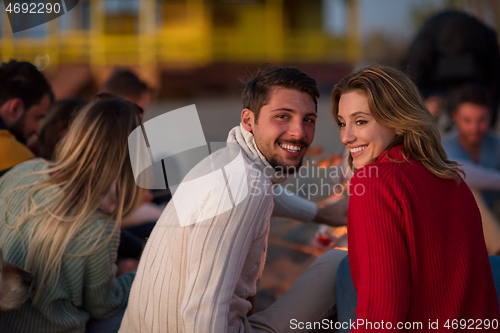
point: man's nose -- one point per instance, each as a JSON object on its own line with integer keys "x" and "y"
{"x": 476, "y": 127}
{"x": 297, "y": 129}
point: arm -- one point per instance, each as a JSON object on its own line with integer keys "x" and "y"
{"x": 478, "y": 177}
{"x": 146, "y": 212}
{"x": 376, "y": 222}
{"x": 103, "y": 295}
{"x": 289, "y": 205}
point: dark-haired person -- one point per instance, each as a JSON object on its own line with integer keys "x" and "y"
{"x": 196, "y": 278}
{"x": 127, "y": 85}
{"x": 416, "y": 250}
{"x": 477, "y": 147}
{"x": 25, "y": 96}
{"x": 55, "y": 125}
{"x": 454, "y": 48}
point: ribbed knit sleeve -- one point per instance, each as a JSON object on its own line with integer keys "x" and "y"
{"x": 103, "y": 295}
{"x": 376, "y": 221}
{"x": 291, "y": 206}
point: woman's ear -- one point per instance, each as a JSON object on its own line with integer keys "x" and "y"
{"x": 247, "y": 119}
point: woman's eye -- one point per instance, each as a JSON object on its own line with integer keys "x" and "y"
{"x": 361, "y": 122}
{"x": 341, "y": 124}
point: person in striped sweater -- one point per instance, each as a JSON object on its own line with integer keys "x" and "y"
{"x": 51, "y": 224}
{"x": 417, "y": 255}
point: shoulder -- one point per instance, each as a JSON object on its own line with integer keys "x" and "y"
{"x": 383, "y": 178}
{"x": 494, "y": 138}
{"x": 453, "y": 148}
{"x": 34, "y": 165}
{"x": 25, "y": 173}
{"x": 381, "y": 171}
{"x": 225, "y": 181}
{"x": 8, "y": 143}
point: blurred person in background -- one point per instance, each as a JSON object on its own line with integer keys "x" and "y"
{"x": 25, "y": 96}
{"x": 52, "y": 223}
{"x": 451, "y": 49}
{"x": 127, "y": 85}
{"x": 137, "y": 227}
{"x": 477, "y": 147}
{"x": 55, "y": 125}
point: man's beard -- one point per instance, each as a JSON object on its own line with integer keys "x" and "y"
{"x": 17, "y": 129}
{"x": 287, "y": 170}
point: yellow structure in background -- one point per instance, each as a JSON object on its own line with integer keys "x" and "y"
{"x": 191, "y": 33}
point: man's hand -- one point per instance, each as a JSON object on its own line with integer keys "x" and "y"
{"x": 332, "y": 212}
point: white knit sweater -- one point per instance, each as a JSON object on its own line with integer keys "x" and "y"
{"x": 196, "y": 278}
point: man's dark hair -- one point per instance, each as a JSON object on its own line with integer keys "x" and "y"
{"x": 20, "y": 79}
{"x": 124, "y": 82}
{"x": 256, "y": 93}
{"x": 470, "y": 93}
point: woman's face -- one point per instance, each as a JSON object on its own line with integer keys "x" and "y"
{"x": 365, "y": 138}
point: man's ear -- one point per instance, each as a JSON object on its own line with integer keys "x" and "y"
{"x": 247, "y": 120}
{"x": 13, "y": 110}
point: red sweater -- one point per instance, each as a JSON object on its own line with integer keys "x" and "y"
{"x": 416, "y": 250}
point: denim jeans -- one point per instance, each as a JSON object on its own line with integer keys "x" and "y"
{"x": 108, "y": 325}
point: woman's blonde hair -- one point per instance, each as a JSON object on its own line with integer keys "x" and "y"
{"x": 396, "y": 103}
{"x": 91, "y": 160}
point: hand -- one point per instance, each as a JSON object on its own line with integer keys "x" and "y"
{"x": 332, "y": 212}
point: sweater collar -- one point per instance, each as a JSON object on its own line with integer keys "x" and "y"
{"x": 395, "y": 153}
{"x": 247, "y": 143}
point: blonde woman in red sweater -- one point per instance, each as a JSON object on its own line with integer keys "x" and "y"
{"x": 416, "y": 249}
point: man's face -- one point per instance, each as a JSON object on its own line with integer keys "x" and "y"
{"x": 285, "y": 128}
{"x": 142, "y": 100}
{"x": 472, "y": 122}
{"x": 29, "y": 123}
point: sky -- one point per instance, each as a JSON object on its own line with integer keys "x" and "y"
{"x": 390, "y": 16}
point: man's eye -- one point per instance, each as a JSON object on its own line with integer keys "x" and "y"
{"x": 282, "y": 116}
{"x": 309, "y": 120}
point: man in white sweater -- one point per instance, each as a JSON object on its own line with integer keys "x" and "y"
{"x": 208, "y": 249}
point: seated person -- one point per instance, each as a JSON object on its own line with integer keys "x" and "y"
{"x": 51, "y": 224}
{"x": 416, "y": 249}
{"x": 25, "y": 96}
{"x": 475, "y": 146}
{"x": 198, "y": 276}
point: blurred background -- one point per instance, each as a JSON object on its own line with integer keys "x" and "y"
{"x": 199, "y": 51}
